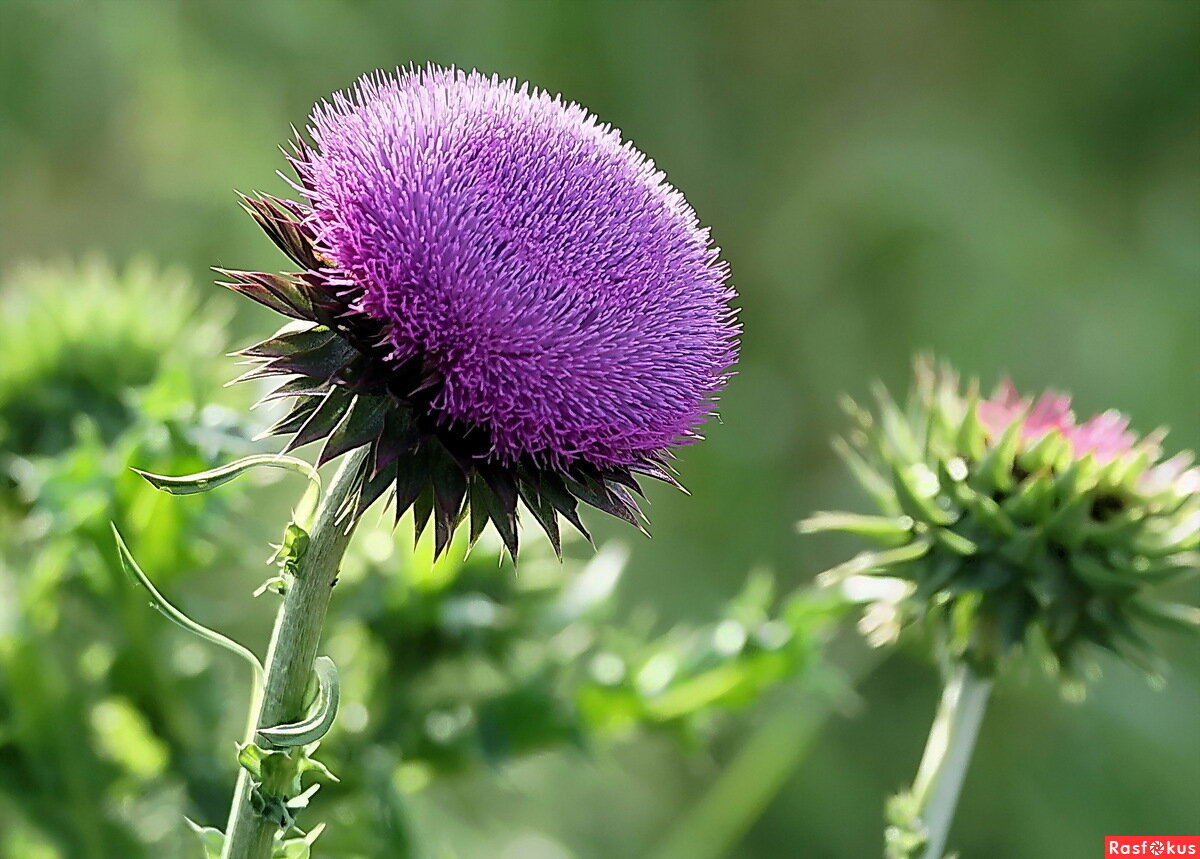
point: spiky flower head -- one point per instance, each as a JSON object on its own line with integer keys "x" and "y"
{"x": 497, "y": 294}
{"x": 1004, "y": 522}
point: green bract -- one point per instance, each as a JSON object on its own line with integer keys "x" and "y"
{"x": 1027, "y": 530}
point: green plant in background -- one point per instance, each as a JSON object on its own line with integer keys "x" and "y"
{"x": 463, "y": 663}
{"x": 82, "y": 339}
{"x": 1007, "y": 526}
{"x": 99, "y": 367}
{"x": 458, "y": 664}
{"x": 507, "y": 664}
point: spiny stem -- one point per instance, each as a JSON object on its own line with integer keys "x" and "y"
{"x": 293, "y": 649}
{"x": 947, "y": 754}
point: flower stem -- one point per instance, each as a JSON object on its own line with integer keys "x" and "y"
{"x": 947, "y": 754}
{"x": 293, "y": 649}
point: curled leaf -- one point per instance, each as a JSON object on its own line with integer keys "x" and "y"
{"x": 317, "y": 723}
{"x": 202, "y": 481}
{"x": 160, "y": 603}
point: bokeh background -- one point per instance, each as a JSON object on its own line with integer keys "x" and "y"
{"x": 1014, "y": 186}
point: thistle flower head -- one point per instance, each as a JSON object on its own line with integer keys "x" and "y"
{"x": 1006, "y": 522}
{"x": 510, "y": 300}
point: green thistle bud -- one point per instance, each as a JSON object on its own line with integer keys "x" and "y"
{"x": 1003, "y": 523}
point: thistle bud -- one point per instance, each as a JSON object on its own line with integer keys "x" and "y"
{"x": 1005, "y": 523}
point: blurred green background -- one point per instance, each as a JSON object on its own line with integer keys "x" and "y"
{"x": 1013, "y": 185}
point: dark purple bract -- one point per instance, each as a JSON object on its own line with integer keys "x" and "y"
{"x": 566, "y": 293}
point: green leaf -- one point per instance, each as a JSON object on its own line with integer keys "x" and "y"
{"x": 866, "y": 562}
{"x": 963, "y": 621}
{"x": 479, "y": 508}
{"x": 320, "y": 362}
{"x": 544, "y": 513}
{"x": 289, "y": 340}
{"x": 1173, "y": 567}
{"x": 323, "y": 419}
{"x": 161, "y": 604}
{"x": 1124, "y": 470}
{"x": 982, "y": 574}
{"x": 1119, "y": 530}
{"x": 554, "y": 491}
{"x": 887, "y": 530}
{"x": 917, "y": 487}
{"x": 291, "y": 551}
{"x": 362, "y": 423}
{"x": 298, "y": 848}
{"x": 317, "y": 723}
{"x": 307, "y": 763}
{"x": 995, "y": 471}
{"x": 202, "y": 481}
{"x": 1175, "y": 616}
{"x": 1048, "y": 453}
{"x": 211, "y": 838}
{"x": 971, "y": 436}
{"x": 1067, "y": 525}
{"x": 938, "y": 575}
{"x": 874, "y": 483}
{"x": 250, "y": 758}
{"x": 1169, "y": 538}
{"x": 1032, "y": 501}
{"x": 953, "y": 542}
{"x": 449, "y": 483}
{"x": 1077, "y": 479}
{"x": 281, "y": 294}
{"x": 952, "y": 474}
{"x": 1101, "y": 575}
{"x": 1013, "y": 616}
{"x": 896, "y": 431}
{"x": 990, "y": 515}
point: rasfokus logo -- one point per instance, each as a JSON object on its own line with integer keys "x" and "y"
{"x": 1152, "y": 845}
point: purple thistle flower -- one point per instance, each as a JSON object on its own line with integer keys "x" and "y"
{"x": 565, "y": 293}
{"x": 507, "y": 301}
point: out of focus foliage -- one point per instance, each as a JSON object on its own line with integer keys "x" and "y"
{"x": 111, "y": 719}
{"x": 82, "y": 341}
{"x": 466, "y": 662}
{"x": 98, "y": 730}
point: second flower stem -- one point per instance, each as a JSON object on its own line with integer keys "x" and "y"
{"x": 947, "y": 754}
{"x": 293, "y": 649}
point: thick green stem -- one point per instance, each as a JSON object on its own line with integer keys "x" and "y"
{"x": 947, "y": 754}
{"x": 292, "y": 651}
